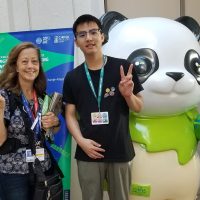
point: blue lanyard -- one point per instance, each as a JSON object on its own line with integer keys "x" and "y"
{"x": 37, "y": 127}
{"x": 100, "y": 81}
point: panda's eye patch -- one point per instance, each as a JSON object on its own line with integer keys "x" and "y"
{"x": 142, "y": 65}
{"x": 145, "y": 62}
{"x": 192, "y": 64}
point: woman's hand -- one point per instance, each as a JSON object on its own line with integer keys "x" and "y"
{"x": 50, "y": 120}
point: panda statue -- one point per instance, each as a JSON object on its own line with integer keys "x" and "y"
{"x": 166, "y": 57}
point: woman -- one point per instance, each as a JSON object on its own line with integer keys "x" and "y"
{"x": 23, "y": 85}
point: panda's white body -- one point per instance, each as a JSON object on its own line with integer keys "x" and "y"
{"x": 163, "y": 96}
{"x": 168, "y": 179}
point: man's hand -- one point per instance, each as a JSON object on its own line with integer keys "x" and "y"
{"x": 91, "y": 148}
{"x": 126, "y": 84}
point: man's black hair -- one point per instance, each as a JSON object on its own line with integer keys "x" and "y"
{"x": 86, "y": 18}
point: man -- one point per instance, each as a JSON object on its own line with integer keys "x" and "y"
{"x": 97, "y": 96}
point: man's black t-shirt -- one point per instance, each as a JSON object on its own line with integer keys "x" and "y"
{"x": 113, "y": 137}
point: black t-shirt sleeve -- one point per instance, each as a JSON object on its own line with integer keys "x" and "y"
{"x": 67, "y": 89}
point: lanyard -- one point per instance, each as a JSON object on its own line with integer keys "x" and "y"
{"x": 34, "y": 116}
{"x": 100, "y": 81}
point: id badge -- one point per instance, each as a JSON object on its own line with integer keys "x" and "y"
{"x": 40, "y": 154}
{"x": 99, "y": 118}
{"x": 29, "y": 156}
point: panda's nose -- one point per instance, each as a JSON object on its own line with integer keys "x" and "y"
{"x": 175, "y": 75}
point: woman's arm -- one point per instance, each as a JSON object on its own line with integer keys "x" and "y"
{"x": 3, "y": 130}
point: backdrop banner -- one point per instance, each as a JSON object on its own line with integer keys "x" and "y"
{"x": 57, "y": 49}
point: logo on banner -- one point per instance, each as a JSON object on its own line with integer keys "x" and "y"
{"x": 43, "y": 40}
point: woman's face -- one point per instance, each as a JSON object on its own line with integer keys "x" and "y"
{"x": 28, "y": 65}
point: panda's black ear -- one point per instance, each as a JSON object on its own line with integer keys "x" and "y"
{"x": 190, "y": 23}
{"x": 109, "y": 20}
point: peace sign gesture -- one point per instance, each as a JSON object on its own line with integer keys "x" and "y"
{"x": 126, "y": 84}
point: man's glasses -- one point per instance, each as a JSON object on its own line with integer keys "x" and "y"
{"x": 83, "y": 34}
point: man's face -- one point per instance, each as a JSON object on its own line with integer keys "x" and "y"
{"x": 89, "y": 38}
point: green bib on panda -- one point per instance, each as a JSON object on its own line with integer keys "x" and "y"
{"x": 157, "y": 134}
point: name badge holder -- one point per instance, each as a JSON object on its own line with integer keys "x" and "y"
{"x": 99, "y": 118}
